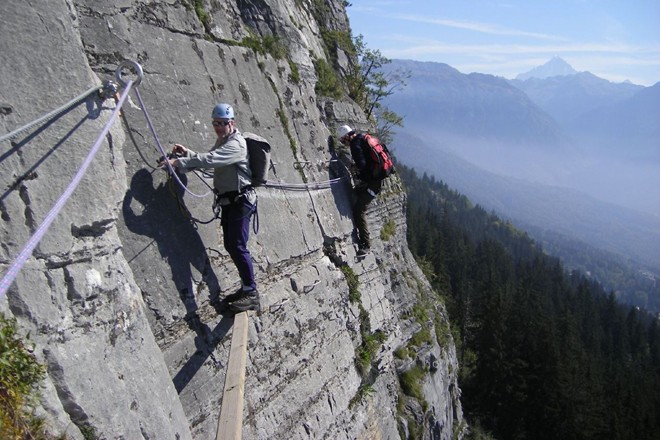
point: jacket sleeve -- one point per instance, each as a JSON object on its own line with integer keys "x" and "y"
{"x": 229, "y": 153}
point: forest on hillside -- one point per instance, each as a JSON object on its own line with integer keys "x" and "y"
{"x": 544, "y": 353}
{"x": 631, "y": 284}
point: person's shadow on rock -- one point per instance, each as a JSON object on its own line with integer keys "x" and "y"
{"x": 164, "y": 219}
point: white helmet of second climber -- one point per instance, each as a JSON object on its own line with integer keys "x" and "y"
{"x": 343, "y": 131}
{"x": 223, "y": 111}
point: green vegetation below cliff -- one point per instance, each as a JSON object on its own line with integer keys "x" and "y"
{"x": 544, "y": 354}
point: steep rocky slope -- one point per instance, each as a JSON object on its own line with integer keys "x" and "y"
{"x": 117, "y": 295}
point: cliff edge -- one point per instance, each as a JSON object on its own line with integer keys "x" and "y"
{"x": 116, "y": 296}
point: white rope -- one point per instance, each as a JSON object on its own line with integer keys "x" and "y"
{"x": 162, "y": 150}
{"x": 27, "y": 250}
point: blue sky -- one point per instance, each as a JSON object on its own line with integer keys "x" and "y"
{"x": 614, "y": 39}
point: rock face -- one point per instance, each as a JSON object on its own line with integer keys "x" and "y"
{"x": 116, "y": 296}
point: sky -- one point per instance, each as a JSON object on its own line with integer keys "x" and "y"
{"x": 617, "y": 40}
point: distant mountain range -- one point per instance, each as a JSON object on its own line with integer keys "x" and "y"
{"x": 622, "y": 118}
{"x": 543, "y": 148}
{"x": 555, "y": 67}
{"x": 439, "y": 98}
{"x": 567, "y": 97}
{"x": 570, "y": 213}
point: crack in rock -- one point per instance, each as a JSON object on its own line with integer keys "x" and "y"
{"x": 96, "y": 229}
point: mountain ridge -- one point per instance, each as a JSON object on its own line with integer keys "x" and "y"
{"x": 526, "y": 132}
{"x": 631, "y": 121}
{"x": 567, "y": 97}
{"x": 477, "y": 103}
{"x": 556, "y": 66}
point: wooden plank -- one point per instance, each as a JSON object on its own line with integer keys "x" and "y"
{"x": 230, "y": 423}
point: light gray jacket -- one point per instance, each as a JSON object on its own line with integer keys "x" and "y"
{"x": 229, "y": 160}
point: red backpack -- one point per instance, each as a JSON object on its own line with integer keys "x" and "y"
{"x": 381, "y": 161}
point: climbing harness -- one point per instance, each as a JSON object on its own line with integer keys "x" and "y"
{"x": 220, "y": 200}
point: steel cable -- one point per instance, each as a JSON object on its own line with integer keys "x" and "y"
{"x": 51, "y": 115}
{"x": 27, "y": 250}
{"x": 325, "y": 184}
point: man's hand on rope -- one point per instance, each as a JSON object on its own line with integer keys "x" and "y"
{"x": 178, "y": 150}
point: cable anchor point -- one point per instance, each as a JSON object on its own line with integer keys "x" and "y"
{"x": 134, "y": 67}
{"x": 109, "y": 90}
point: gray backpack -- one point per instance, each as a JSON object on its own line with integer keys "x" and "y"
{"x": 259, "y": 152}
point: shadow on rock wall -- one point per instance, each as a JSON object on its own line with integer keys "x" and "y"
{"x": 175, "y": 234}
{"x": 180, "y": 244}
{"x": 93, "y": 105}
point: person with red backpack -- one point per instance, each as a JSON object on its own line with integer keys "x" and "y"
{"x": 373, "y": 164}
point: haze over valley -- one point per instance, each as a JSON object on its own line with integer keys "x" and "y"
{"x": 576, "y": 131}
{"x": 553, "y": 150}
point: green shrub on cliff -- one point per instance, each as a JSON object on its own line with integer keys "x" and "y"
{"x": 19, "y": 375}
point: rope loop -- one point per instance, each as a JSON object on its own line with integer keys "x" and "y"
{"x": 130, "y": 64}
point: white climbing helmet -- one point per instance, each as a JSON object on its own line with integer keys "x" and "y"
{"x": 343, "y": 131}
{"x": 223, "y": 111}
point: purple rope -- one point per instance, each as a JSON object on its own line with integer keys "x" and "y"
{"x": 22, "y": 257}
{"x": 162, "y": 150}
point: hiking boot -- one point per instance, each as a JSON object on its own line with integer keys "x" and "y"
{"x": 248, "y": 301}
{"x": 363, "y": 251}
{"x": 240, "y": 293}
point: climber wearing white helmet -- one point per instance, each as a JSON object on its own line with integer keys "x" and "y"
{"x": 232, "y": 181}
{"x": 365, "y": 190}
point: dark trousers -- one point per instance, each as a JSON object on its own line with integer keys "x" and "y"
{"x": 235, "y": 223}
{"x": 364, "y": 194}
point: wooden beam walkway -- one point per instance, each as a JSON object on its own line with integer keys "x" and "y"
{"x": 230, "y": 423}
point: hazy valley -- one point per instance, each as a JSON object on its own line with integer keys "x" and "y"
{"x": 532, "y": 149}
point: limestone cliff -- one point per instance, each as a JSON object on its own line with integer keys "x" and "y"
{"x": 116, "y": 296}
